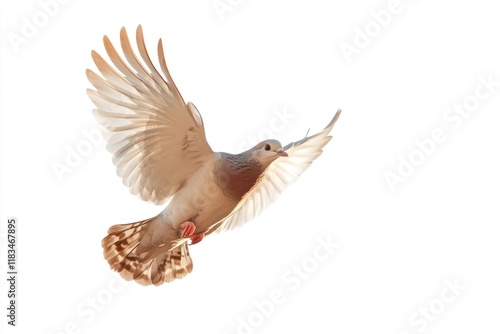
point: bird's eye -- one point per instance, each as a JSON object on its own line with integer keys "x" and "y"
{"x": 267, "y": 147}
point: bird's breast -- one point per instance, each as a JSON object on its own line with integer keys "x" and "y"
{"x": 235, "y": 177}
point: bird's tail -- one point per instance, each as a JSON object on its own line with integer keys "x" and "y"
{"x": 147, "y": 251}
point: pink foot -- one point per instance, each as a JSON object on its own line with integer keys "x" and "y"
{"x": 195, "y": 238}
{"x": 187, "y": 229}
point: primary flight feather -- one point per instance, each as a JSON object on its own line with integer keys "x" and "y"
{"x": 160, "y": 151}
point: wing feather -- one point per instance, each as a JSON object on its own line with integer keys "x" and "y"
{"x": 157, "y": 140}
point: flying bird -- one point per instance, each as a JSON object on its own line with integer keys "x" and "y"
{"x": 160, "y": 151}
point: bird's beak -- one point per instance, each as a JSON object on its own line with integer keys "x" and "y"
{"x": 281, "y": 153}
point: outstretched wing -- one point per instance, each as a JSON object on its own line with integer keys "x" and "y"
{"x": 277, "y": 177}
{"x": 156, "y": 139}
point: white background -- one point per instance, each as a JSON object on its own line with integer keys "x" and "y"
{"x": 398, "y": 248}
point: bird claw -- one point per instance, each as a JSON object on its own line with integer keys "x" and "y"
{"x": 187, "y": 229}
{"x": 195, "y": 238}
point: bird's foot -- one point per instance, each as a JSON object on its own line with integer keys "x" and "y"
{"x": 187, "y": 229}
{"x": 195, "y": 238}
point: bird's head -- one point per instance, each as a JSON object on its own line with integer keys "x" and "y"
{"x": 267, "y": 151}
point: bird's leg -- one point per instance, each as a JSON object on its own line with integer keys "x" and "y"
{"x": 195, "y": 238}
{"x": 187, "y": 229}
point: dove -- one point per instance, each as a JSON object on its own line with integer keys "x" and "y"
{"x": 161, "y": 153}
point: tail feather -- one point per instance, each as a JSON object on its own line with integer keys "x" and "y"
{"x": 129, "y": 250}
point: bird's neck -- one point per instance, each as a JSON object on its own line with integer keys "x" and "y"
{"x": 238, "y": 174}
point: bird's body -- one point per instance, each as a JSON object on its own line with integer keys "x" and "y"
{"x": 200, "y": 200}
{"x": 213, "y": 191}
{"x": 160, "y": 151}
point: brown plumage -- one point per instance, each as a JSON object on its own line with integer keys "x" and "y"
{"x": 238, "y": 173}
{"x": 153, "y": 265}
